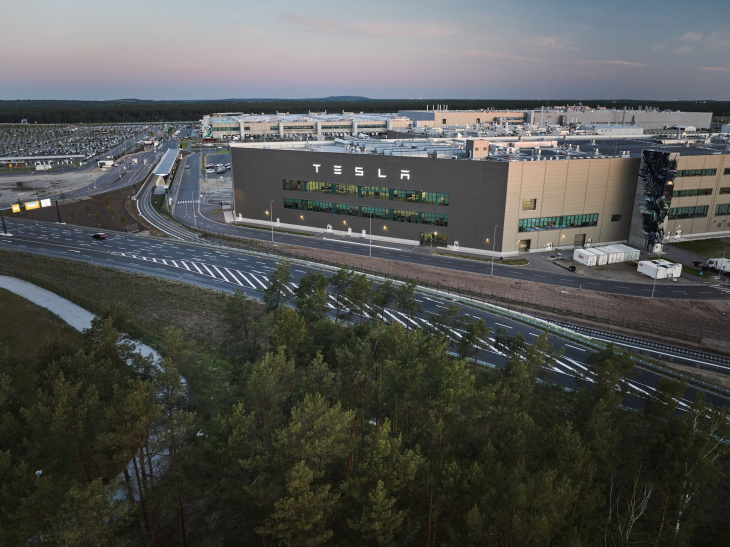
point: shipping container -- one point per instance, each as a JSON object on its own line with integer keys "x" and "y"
{"x": 659, "y": 269}
{"x": 585, "y": 256}
{"x": 631, "y": 254}
{"x": 601, "y": 255}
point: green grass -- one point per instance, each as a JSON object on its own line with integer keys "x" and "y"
{"x": 153, "y": 303}
{"x": 25, "y": 331}
{"x": 708, "y": 248}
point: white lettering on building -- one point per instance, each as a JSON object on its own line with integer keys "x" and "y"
{"x": 405, "y": 174}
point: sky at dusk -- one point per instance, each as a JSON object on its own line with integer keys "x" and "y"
{"x": 163, "y": 49}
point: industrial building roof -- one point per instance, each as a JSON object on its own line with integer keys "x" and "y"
{"x": 165, "y": 166}
{"x": 507, "y": 149}
{"x": 309, "y": 117}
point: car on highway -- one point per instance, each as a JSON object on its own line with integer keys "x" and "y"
{"x": 187, "y": 167}
{"x": 99, "y": 236}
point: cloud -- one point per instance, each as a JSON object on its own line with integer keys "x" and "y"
{"x": 562, "y": 42}
{"x": 621, "y": 63}
{"x": 346, "y": 28}
{"x": 689, "y": 41}
{"x": 493, "y": 55}
{"x": 715, "y": 68}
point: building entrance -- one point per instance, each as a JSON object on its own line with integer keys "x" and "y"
{"x": 434, "y": 239}
{"x": 579, "y": 240}
{"x": 523, "y": 245}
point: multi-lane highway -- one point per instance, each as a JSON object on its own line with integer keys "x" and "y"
{"x": 228, "y": 270}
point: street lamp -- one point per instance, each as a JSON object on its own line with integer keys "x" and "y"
{"x": 271, "y": 212}
{"x": 494, "y": 241}
{"x": 371, "y": 234}
{"x": 195, "y": 219}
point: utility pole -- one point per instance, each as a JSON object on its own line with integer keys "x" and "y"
{"x": 58, "y": 211}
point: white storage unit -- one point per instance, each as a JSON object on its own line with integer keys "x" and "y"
{"x": 659, "y": 269}
{"x": 585, "y": 256}
{"x": 601, "y": 255}
{"x": 630, "y": 254}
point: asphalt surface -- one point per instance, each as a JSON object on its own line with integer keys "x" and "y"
{"x": 229, "y": 271}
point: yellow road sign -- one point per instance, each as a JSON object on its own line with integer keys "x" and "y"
{"x": 16, "y": 207}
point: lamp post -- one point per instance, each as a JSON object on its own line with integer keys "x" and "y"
{"x": 271, "y": 212}
{"x": 494, "y": 240}
{"x": 656, "y": 274}
{"x": 195, "y": 219}
{"x": 371, "y": 234}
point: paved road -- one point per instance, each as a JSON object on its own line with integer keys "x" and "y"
{"x": 234, "y": 271}
{"x": 189, "y": 187}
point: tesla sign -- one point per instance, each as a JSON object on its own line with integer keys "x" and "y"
{"x": 405, "y": 174}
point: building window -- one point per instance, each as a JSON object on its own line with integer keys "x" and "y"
{"x": 290, "y": 203}
{"x": 347, "y": 209}
{"x": 557, "y": 223}
{"x": 346, "y": 190}
{"x": 405, "y": 195}
{"x": 295, "y": 185}
{"x": 696, "y": 173}
{"x": 380, "y": 213}
{"x": 374, "y": 192}
{"x": 616, "y": 218}
{"x": 319, "y": 206}
{"x": 688, "y": 212}
{"x": 319, "y": 187}
{"x": 725, "y": 190}
{"x": 434, "y": 198}
{"x": 400, "y": 215}
{"x": 696, "y": 192}
{"x": 722, "y": 209}
{"x": 529, "y": 204}
{"x": 726, "y": 171}
{"x": 434, "y": 219}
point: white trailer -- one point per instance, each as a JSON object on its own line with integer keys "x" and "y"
{"x": 601, "y": 255}
{"x": 585, "y": 256}
{"x": 614, "y": 255}
{"x": 659, "y": 269}
{"x": 630, "y": 254}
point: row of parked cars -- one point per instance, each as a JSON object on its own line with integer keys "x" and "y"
{"x": 217, "y": 167}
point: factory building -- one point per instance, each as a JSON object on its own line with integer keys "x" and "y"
{"x": 314, "y": 126}
{"x": 461, "y": 193}
{"x": 651, "y": 119}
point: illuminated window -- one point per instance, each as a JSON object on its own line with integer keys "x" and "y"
{"x": 529, "y": 204}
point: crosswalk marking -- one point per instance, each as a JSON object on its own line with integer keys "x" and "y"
{"x": 220, "y": 272}
{"x": 721, "y": 288}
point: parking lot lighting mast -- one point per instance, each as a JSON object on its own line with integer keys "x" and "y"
{"x": 371, "y": 235}
{"x": 494, "y": 241}
{"x": 271, "y": 212}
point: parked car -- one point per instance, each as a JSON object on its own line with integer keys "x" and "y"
{"x": 99, "y": 236}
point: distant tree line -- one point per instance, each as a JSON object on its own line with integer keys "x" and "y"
{"x": 130, "y": 110}
{"x": 304, "y": 430}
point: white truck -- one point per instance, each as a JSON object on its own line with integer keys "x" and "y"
{"x": 721, "y": 265}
